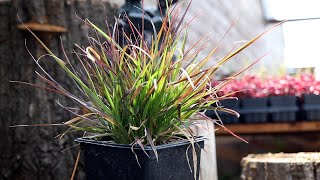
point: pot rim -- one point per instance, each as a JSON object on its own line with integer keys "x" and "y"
{"x": 85, "y": 140}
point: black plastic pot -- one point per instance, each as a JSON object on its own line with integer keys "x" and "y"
{"x": 311, "y": 106}
{"x": 226, "y": 118}
{"x": 254, "y": 110}
{"x": 283, "y": 108}
{"x": 109, "y": 161}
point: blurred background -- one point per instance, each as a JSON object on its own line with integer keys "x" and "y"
{"x": 292, "y": 49}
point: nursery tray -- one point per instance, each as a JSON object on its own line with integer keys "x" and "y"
{"x": 311, "y": 112}
{"x": 254, "y": 115}
{"x": 284, "y": 114}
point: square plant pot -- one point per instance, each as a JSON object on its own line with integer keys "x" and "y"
{"x": 226, "y": 118}
{"x": 311, "y": 106}
{"x": 254, "y": 103}
{"x": 283, "y": 108}
{"x": 254, "y": 110}
{"x": 311, "y": 99}
{"x": 111, "y": 161}
{"x": 230, "y": 103}
{"x": 283, "y": 101}
{"x": 254, "y": 116}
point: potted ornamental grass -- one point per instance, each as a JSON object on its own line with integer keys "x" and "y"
{"x": 141, "y": 101}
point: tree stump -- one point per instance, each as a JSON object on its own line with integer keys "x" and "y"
{"x": 294, "y": 166}
{"x": 32, "y": 153}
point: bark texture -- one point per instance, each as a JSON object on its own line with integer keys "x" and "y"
{"x": 32, "y": 153}
{"x": 295, "y": 166}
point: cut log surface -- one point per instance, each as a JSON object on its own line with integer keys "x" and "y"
{"x": 281, "y": 166}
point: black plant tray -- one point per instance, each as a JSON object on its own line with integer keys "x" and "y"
{"x": 311, "y": 107}
{"x": 283, "y": 101}
{"x": 254, "y": 103}
{"x": 311, "y": 99}
{"x": 109, "y": 161}
{"x": 230, "y": 103}
{"x": 283, "y": 108}
{"x": 254, "y": 115}
{"x": 311, "y": 112}
{"x": 283, "y": 115}
{"x": 226, "y": 118}
{"x": 254, "y": 110}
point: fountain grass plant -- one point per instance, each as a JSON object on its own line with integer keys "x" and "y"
{"x": 142, "y": 94}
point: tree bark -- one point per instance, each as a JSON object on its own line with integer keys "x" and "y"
{"x": 33, "y": 152}
{"x": 282, "y": 166}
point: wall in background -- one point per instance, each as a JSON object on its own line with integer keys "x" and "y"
{"x": 217, "y": 16}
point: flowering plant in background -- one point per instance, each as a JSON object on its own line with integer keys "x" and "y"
{"x": 293, "y": 85}
{"x": 310, "y": 84}
{"x": 287, "y": 85}
{"x": 246, "y": 86}
{"x": 255, "y": 87}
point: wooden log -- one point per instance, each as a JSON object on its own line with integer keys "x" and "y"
{"x": 294, "y": 166}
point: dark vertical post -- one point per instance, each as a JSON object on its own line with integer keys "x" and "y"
{"x": 151, "y": 20}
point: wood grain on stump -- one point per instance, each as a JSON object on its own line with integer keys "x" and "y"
{"x": 294, "y": 166}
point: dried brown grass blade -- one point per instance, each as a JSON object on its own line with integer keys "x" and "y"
{"x": 75, "y": 165}
{"x": 76, "y": 119}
